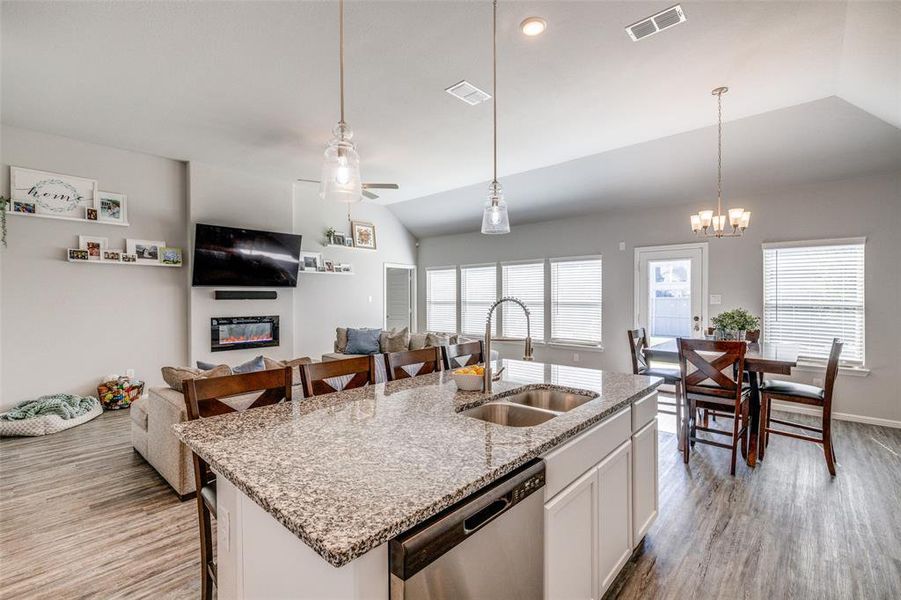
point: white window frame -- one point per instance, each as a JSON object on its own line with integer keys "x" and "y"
{"x": 816, "y": 363}
{"x": 456, "y": 272}
{"x": 599, "y": 344}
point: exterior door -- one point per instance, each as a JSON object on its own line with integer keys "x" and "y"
{"x": 670, "y": 291}
{"x": 399, "y": 303}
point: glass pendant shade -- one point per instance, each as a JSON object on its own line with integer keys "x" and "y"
{"x": 340, "y": 180}
{"x": 495, "y": 220}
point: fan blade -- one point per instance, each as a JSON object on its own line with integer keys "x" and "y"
{"x": 381, "y": 186}
{"x": 309, "y": 180}
{"x": 369, "y": 195}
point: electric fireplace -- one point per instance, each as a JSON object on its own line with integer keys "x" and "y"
{"x": 236, "y": 333}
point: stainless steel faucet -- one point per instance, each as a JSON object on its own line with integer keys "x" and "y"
{"x": 528, "y": 350}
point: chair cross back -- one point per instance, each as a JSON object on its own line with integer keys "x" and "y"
{"x": 471, "y": 349}
{"x": 429, "y": 360}
{"x": 313, "y": 375}
{"x": 203, "y": 397}
{"x": 638, "y": 341}
{"x": 732, "y": 355}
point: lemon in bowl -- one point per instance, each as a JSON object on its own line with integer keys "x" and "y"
{"x": 469, "y": 379}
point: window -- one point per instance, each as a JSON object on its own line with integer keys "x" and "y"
{"x": 441, "y": 300}
{"x": 478, "y": 291}
{"x": 576, "y": 300}
{"x": 526, "y": 282}
{"x": 813, "y": 292}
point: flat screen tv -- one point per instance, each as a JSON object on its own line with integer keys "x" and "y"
{"x": 244, "y": 257}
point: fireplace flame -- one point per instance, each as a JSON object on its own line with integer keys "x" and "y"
{"x": 237, "y": 339}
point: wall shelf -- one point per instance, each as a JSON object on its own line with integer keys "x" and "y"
{"x": 349, "y": 247}
{"x": 124, "y": 264}
{"x": 326, "y": 273}
{"x": 59, "y": 218}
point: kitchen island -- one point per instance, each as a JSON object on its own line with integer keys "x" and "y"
{"x": 310, "y": 491}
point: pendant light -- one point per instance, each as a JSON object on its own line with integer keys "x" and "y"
{"x": 340, "y": 180}
{"x": 705, "y": 222}
{"x": 495, "y": 220}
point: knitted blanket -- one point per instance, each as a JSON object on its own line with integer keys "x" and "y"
{"x": 66, "y": 406}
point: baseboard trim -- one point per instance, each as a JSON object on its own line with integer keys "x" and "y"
{"x": 804, "y": 410}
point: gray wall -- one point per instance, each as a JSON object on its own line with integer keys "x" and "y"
{"x": 868, "y": 206}
{"x": 67, "y": 325}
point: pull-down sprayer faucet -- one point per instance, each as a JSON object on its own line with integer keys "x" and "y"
{"x": 527, "y": 354}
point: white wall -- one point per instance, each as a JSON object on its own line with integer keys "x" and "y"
{"x": 324, "y": 302}
{"x": 869, "y": 206}
{"x": 67, "y": 325}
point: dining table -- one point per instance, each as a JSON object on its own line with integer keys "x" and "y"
{"x": 760, "y": 358}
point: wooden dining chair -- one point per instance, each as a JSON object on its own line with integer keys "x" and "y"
{"x": 463, "y": 355}
{"x": 638, "y": 342}
{"x": 428, "y": 359}
{"x": 208, "y": 398}
{"x": 332, "y": 376}
{"x": 810, "y": 395}
{"x": 715, "y": 383}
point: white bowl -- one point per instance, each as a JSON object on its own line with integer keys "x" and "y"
{"x": 468, "y": 383}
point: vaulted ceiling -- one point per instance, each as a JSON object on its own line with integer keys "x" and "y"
{"x": 598, "y": 119}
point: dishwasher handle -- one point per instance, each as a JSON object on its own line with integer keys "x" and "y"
{"x": 486, "y": 515}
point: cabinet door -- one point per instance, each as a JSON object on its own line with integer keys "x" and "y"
{"x": 570, "y": 541}
{"x": 644, "y": 480}
{"x": 614, "y": 514}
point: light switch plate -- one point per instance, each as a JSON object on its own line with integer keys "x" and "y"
{"x": 716, "y": 299}
{"x": 622, "y": 245}
{"x": 576, "y": 357}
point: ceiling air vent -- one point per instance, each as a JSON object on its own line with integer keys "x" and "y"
{"x": 656, "y": 23}
{"x": 468, "y": 93}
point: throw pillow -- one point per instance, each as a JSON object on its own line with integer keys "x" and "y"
{"x": 295, "y": 363}
{"x": 417, "y": 341}
{"x": 437, "y": 339}
{"x": 206, "y": 366}
{"x": 340, "y": 339}
{"x": 251, "y": 366}
{"x": 395, "y": 340}
{"x": 175, "y": 377}
{"x": 363, "y": 341}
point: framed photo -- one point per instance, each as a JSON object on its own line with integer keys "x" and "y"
{"x": 53, "y": 194}
{"x": 364, "y": 235}
{"x": 170, "y": 256}
{"x": 78, "y": 254}
{"x": 144, "y": 250}
{"x": 112, "y": 255}
{"x": 343, "y": 269}
{"x": 329, "y": 266}
{"x": 338, "y": 239}
{"x": 90, "y": 214}
{"x": 349, "y": 242}
{"x": 129, "y": 258}
{"x": 23, "y": 207}
{"x": 111, "y": 208}
{"x": 94, "y": 245}
{"x": 310, "y": 261}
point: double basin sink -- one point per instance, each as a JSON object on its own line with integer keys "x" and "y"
{"x": 528, "y": 408}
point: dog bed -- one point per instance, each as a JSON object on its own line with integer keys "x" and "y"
{"x": 47, "y": 415}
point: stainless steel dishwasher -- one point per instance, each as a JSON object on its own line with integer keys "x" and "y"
{"x": 489, "y": 545}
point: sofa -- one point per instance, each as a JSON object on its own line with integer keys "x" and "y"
{"x": 152, "y": 418}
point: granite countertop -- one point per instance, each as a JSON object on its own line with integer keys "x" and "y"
{"x": 348, "y": 471}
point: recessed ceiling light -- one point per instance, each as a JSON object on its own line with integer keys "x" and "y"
{"x": 533, "y": 26}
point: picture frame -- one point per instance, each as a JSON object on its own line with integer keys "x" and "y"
{"x": 329, "y": 266}
{"x": 170, "y": 256}
{"x": 129, "y": 258}
{"x": 94, "y": 245}
{"x": 23, "y": 207}
{"x": 338, "y": 239}
{"x": 78, "y": 254}
{"x": 310, "y": 261}
{"x": 53, "y": 194}
{"x": 90, "y": 214}
{"x": 112, "y": 255}
{"x": 349, "y": 241}
{"x": 363, "y": 235}
{"x": 147, "y": 251}
{"x": 112, "y": 207}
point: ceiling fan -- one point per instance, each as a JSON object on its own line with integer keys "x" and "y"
{"x": 366, "y": 187}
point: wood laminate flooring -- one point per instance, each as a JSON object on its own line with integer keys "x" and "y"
{"x": 83, "y": 516}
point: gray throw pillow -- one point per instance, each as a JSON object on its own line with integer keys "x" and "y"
{"x": 206, "y": 366}
{"x": 417, "y": 341}
{"x": 251, "y": 366}
{"x": 437, "y": 339}
{"x": 175, "y": 377}
{"x": 363, "y": 341}
{"x": 395, "y": 340}
{"x": 340, "y": 339}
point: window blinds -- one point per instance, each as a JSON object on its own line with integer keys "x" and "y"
{"x": 526, "y": 282}
{"x": 576, "y": 300}
{"x": 478, "y": 291}
{"x": 441, "y": 300}
{"x": 814, "y": 292}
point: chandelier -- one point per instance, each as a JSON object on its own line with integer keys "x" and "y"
{"x": 714, "y": 225}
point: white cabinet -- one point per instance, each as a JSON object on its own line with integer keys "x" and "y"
{"x": 644, "y": 480}
{"x": 570, "y": 541}
{"x": 614, "y": 476}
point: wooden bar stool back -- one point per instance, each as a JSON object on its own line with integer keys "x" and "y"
{"x": 332, "y": 376}
{"x": 400, "y": 364}
{"x": 712, "y": 379}
{"x": 799, "y": 393}
{"x": 463, "y": 355}
{"x": 208, "y": 398}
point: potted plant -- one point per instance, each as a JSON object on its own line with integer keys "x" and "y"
{"x": 735, "y": 323}
{"x": 330, "y": 235}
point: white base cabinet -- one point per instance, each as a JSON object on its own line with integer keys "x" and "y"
{"x": 600, "y": 501}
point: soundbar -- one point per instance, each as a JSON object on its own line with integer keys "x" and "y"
{"x": 246, "y": 294}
